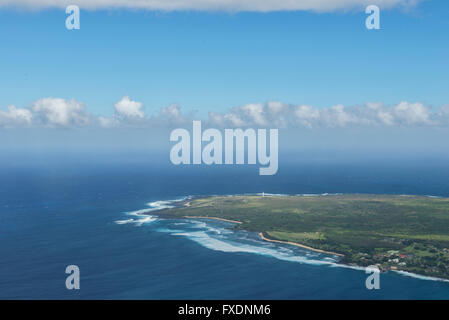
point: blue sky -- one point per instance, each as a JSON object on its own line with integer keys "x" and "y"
{"x": 130, "y": 75}
{"x": 213, "y": 61}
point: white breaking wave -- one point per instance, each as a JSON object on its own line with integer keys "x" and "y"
{"x": 139, "y": 220}
{"x": 124, "y": 221}
{"x": 142, "y": 215}
{"x": 318, "y": 194}
{"x": 417, "y": 276}
{"x": 280, "y": 252}
{"x": 215, "y": 238}
{"x": 273, "y": 194}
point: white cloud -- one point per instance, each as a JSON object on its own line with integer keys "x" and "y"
{"x": 443, "y": 114}
{"x": 412, "y": 113}
{"x": 339, "y": 116}
{"x": 214, "y": 5}
{"x": 106, "y": 122}
{"x": 127, "y": 108}
{"x": 275, "y": 107}
{"x": 276, "y": 114}
{"x": 172, "y": 114}
{"x": 242, "y": 116}
{"x": 129, "y": 113}
{"x": 306, "y": 115}
{"x": 61, "y": 112}
{"x": 15, "y": 117}
{"x": 256, "y": 113}
{"x": 57, "y": 112}
{"x": 386, "y": 118}
{"x": 234, "y": 120}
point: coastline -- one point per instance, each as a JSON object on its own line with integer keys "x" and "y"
{"x": 188, "y": 203}
{"x": 299, "y": 245}
{"x": 262, "y": 237}
{"x": 267, "y": 239}
{"x": 213, "y": 218}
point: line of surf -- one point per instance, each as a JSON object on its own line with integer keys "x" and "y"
{"x": 143, "y": 216}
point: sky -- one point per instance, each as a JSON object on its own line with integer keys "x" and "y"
{"x": 295, "y": 64}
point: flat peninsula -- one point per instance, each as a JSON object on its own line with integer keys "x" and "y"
{"x": 403, "y": 233}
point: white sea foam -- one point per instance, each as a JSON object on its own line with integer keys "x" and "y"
{"x": 216, "y": 244}
{"x": 417, "y": 276}
{"x": 124, "y": 221}
{"x": 280, "y": 252}
{"x": 273, "y": 194}
{"x": 318, "y": 194}
{"x": 218, "y": 238}
{"x": 142, "y": 219}
{"x": 142, "y": 215}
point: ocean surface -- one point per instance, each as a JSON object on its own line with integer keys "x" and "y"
{"x": 90, "y": 214}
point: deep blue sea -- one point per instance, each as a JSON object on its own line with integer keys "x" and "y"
{"x": 86, "y": 213}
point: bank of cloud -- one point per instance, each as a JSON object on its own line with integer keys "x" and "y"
{"x": 62, "y": 113}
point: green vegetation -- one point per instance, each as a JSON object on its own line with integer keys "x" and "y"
{"x": 409, "y": 233}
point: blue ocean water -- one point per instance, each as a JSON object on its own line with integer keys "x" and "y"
{"x": 57, "y": 214}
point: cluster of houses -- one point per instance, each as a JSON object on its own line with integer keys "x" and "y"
{"x": 394, "y": 257}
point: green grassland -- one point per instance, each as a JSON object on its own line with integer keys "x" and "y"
{"x": 409, "y": 233}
